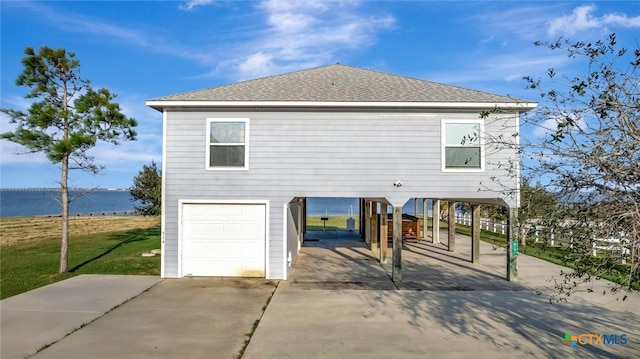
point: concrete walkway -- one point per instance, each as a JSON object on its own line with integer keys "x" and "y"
{"x": 336, "y": 303}
{"x": 32, "y": 320}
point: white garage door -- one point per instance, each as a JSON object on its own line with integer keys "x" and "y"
{"x": 223, "y": 240}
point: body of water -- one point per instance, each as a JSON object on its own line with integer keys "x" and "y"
{"x": 18, "y": 203}
{"x": 346, "y": 206}
{"x": 15, "y": 203}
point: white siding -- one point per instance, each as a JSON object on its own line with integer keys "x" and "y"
{"x": 319, "y": 154}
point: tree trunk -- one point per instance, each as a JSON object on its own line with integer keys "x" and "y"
{"x": 64, "y": 242}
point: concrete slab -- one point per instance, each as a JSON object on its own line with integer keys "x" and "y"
{"x": 32, "y": 320}
{"x": 445, "y": 306}
{"x": 433, "y": 324}
{"x": 337, "y": 260}
{"x": 178, "y": 318}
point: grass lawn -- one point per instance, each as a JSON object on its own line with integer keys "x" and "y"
{"x": 32, "y": 264}
{"x": 335, "y": 223}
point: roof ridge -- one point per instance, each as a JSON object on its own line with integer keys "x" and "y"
{"x": 339, "y": 83}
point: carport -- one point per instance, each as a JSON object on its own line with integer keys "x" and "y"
{"x": 374, "y": 231}
{"x": 337, "y": 260}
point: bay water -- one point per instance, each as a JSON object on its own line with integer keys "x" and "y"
{"x": 32, "y": 202}
{"x": 19, "y": 203}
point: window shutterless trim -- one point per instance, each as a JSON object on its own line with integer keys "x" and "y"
{"x": 443, "y": 143}
{"x": 208, "y": 143}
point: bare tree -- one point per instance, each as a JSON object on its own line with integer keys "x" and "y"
{"x": 588, "y": 154}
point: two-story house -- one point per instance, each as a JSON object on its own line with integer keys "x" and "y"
{"x": 239, "y": 159}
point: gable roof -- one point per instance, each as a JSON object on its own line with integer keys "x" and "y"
{"x": 336, "y": 84}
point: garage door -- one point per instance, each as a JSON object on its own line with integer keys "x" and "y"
{"x": 223, "y": 240}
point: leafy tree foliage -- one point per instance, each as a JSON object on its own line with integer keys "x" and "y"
{"x": 589, "y": 157}
{"x": 147, "y": 189}
{"x": 67, "y": 118}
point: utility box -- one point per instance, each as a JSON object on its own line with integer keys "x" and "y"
{"x": 351, "y": 224}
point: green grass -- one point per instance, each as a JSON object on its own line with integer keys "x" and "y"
{"x": 30, "y": 265}
{"x": 335, "y": 223}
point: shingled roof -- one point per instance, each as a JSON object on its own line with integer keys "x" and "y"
{"x": 339, "y": 83}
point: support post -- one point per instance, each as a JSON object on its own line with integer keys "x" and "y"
{"x": 512, "y": 244}
{"x": 300, "y": 220}
{"x": 384, "y": 232}
{"x": 451, "y": 210}
{"x": 361, "y": 217}
{"x": 374, "y": 228}
{"x": 475, "y": 233}
{"x": 424, "y": 218}
{"x": 304, "y": 216}
{"x": 384, "y": 242}
{"x": 415, "y": 207}
{"x": 367, "y": 221}
{"x": 396, "y": 270}
{"x": 435, "y": 221}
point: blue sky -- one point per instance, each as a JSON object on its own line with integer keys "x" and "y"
{"x": 146, "y": 49}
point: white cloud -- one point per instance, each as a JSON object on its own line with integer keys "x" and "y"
{"x": 583, "y": 18}
{"x": 550, "y": 125}
{"x": 256, "y": 65}
{"x": 511, "y": 23}
{"x": 192, "y": 4}
{"x": 294, "y": 35}
{"x": 12, "y": 153}
{"x": 151, "y": 40}
{"x": 304, "y": 34}
{"x": 621, "y": 20}
{"x": 276, "y": 6}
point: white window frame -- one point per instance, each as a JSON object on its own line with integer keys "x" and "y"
{"x": 443, "y": 126}
{"x": 208, "y": 145}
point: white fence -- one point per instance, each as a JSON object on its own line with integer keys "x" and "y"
{"x": 485, "y": 223}
{"x": 617, "y": 244}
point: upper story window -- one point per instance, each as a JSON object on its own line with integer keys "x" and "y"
{"x": 462, "y": 147}
{"x": 227, "y": 143}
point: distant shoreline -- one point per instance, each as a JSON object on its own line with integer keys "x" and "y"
{"x": 43, "y": 203}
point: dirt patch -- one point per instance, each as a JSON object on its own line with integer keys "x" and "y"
{"x": 28, "y": 229}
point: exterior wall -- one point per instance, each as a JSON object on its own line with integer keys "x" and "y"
{"x": 293, "y": 244}
{"x": 320, "y": 154}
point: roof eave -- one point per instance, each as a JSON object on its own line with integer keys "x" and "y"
{"x": 159, "y": 105}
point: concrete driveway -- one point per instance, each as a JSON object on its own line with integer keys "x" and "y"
{"x": 339, "y": 302}
{"x": 32, "y": 320}
{"x": 336, "y": 305}
{"x": 176, "y": 318}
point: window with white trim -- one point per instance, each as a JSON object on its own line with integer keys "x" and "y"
{"x": 462, "y": 147}
{"x": 227, "y": 143}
